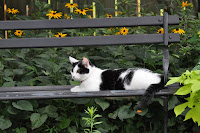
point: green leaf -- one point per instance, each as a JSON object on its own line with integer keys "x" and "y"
{"x": 38, "y": 120}
{"x": 173, "y": 101}
{"x": 23, "y": 105}
{"x": 196, "y": 86}
{"x": 4, "y": 123}
{"x": 180, "y": 108}
{"x": 144, "y": 111}
{"x": 12, "y": 110}
{"x": 102, "y": 103}
{"x": 173, "y": 80}
{"x": 64, "y": 123}
{"x": 189, "y": 114}
{"x": 74, "y": 82}
{"x": 125, "y": 112}
{"x": 51, "y": 111}
{"x": 184, "y": 90}
{"x": 9, "y": 84}
{"x": 72, "y": 129}
{"x": 21, "y": 130}
{"x": 114, "y": 114}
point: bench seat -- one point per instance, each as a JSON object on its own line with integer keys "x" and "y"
{"x": 46, "y": 92}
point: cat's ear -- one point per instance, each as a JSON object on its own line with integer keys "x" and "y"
{"x": 72, "y": 60}
{"x": 85, "y": 62}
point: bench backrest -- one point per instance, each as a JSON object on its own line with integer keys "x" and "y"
{"x": 163, "y": 21}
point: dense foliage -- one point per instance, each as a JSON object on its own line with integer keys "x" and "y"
{"x": 34, "y": 67}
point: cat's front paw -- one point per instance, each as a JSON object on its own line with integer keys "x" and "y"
{"x": 76, "y": 89}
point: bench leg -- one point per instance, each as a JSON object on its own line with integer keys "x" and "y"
{"x": 165, "y": 107}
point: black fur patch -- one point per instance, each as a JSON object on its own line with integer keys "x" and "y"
{"x": 82, "y": 68}
{"x": 128, "y": 77}
{"x": 73, "y": 65}
{"x": 111, "y": 81}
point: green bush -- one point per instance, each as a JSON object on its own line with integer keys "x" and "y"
{"x": 41, "y": 67}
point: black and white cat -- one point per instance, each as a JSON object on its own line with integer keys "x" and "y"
{"x": 96, "y": 79}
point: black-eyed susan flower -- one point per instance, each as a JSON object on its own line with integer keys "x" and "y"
{"x": 80, "y": 11}
{"x": 118, "y": 33}
{"x": 0, "y": 38}
{"x": 88, "y": 9}
{"x": 71, "y": 5}
{"x": 180, "y": 31}
{"x": 161, "y": 31}
{"x": 109, "y": 16}
{"x": 18, "y": 33}
{"x": 60, "y": 35}
{"x": 54, "y": 14}
{"x": 118, "y": 12}
{"x": 13, "y": 11}
{"x": 124, "y": 31}
{"x": 66, "y": 16}
{"x": 111, "y": 29}
{"x": 89, "y": 16}
{"x": 184, "y": 4}
{"x": 199, "y": 33}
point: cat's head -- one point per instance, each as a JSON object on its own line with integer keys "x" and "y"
{"x": 81, "y": 69}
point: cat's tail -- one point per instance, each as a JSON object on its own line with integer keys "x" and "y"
{"x": 149, "y": 94}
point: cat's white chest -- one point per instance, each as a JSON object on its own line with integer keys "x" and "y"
{"x": 92, "y": 83}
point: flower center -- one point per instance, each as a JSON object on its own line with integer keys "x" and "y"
{"x": 54, "y": 13}
{"x": 59, "y": 35}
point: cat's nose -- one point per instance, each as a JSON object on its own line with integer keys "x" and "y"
{"x": 73, "y": 77}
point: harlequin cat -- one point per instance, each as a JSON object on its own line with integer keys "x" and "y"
{"x": 95, "y": 79}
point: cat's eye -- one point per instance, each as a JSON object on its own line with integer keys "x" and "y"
{"x": 78, "y": 71}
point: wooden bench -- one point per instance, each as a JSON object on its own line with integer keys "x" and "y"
{"x": 46, "y": 92}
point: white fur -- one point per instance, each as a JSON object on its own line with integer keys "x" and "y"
{"x": 142, "y": 79}
{"x": 91, "y": 83}
{"x": 72, "y": 60}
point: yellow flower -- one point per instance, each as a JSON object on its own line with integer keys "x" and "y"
{"x": 109, "y": 16}
{"x": 54, "y": 14}
{"x": 69, "y": 5}
{"x": 89, "y": 16}
{"x": 13, "y": 11}
{"x": 88, "y": 9}
{"x": 199, "y": 33}
{"x": 111, "y": 29}
{"x": 80, "y": 11}
{"x": 0, "y": 38}
{"x": 124, "y": 31}
{"x": 161, "y": 31}
{"x": 180, "y": 31}
{"x": 118, "y": 12}
{"x": 18, "y": 33}
{"x": 66, "y": 16}
{"x": 118, "y": 33}
{"x": 60, "y": 35}
{"x": 184, "y": 4}
{"x": 105, "y": 35}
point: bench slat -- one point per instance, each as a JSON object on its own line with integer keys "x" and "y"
{"x": 86, "y": 23}
{"x": 45, "y": 92}
{"x": 87, "y": 41}
{"x": 67, "y": 94}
